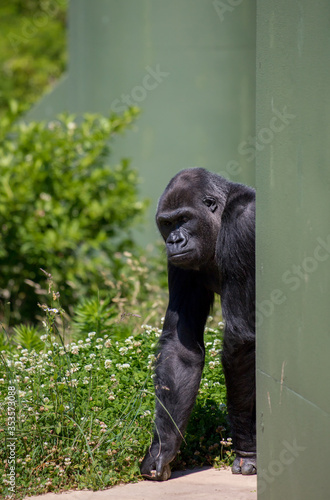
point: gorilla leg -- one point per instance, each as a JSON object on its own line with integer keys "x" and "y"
{"x": 177, "y": 379}
{"x": 238, "y": 360}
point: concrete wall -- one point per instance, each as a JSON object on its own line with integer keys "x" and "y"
{"x": 293, "y": 249}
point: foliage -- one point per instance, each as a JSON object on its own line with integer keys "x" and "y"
{"x": 32, "y": 49}
{"x": 63, "y": 209}
{"x": 77, "y": 425}
{"x": 28, "y": 337}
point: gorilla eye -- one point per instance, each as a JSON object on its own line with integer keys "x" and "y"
{"x": 210, "y": 203}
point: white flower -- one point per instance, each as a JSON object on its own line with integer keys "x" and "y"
{"x": 91, "y": 335}
{"x": 107, "y": 343}
{"x": 92, "y": 355}
{"x": 88, "y": 368}
{"x": 75, "y": 349}
{"x": 107, "y": 363}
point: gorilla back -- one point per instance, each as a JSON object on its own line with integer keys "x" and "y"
{"x": 208, "y": 225}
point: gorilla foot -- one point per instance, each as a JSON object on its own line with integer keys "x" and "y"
{"x": 245, "y": 463}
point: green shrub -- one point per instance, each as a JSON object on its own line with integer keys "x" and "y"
{"x": 63, "y": 209}
{"x": 32, "y": 49}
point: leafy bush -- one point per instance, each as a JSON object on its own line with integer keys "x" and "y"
{"x": 32, "y": 49}
{"x": 84, "y": 411}
{"x": 63, "y": 209}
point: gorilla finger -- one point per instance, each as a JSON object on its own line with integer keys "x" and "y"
{"x": 249, "y": 467}
{"x": 163, "y": 472}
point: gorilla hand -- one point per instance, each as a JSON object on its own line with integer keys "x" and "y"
{"x": 155, "y": 465}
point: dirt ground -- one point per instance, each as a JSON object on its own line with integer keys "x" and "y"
{"x": 196, "y": 484}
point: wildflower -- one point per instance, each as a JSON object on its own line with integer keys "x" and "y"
{"x": 75, "y": 349}
{"x": 51, "y": 310}
{"x": 107, "y": 343}
{"x": 72, "y": 125}
{"x": 92, "y": 355}
{"x": 88, "y": 368}
{"x": 91, "y": 335}
{"x": 107, "y": 363}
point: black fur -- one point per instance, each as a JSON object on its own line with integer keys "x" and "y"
{"x": 208, "y": 225}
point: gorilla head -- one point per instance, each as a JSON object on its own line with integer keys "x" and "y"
{"x": 189, "y": 216}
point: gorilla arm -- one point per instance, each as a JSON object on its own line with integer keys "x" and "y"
{"x": 179, "y": 368}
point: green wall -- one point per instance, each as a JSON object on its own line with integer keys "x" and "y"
{"x": 293, "y": 249}
{"x": 199, "y": 108}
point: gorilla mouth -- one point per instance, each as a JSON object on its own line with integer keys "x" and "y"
{"x": 182, "y": 256}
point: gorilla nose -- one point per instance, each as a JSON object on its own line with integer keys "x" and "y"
{"x": 177, "y": 239}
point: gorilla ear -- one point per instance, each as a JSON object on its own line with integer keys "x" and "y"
{"x": 210, "y": 203}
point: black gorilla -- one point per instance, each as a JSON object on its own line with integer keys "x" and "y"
{"x": 208, "y": 225}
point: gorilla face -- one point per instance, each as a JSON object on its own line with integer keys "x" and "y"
{"x": 187, "y": 220}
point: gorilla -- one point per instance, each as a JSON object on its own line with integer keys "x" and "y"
{"x": 208, "y": 225}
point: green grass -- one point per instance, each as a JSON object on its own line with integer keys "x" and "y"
{"x": 84, "y": 411}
